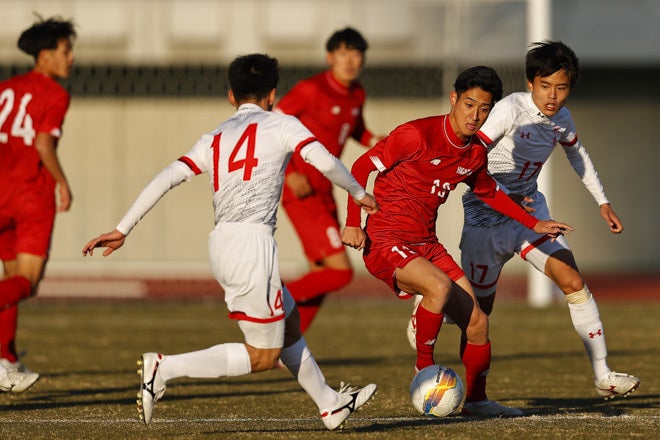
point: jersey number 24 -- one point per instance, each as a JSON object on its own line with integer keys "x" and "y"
{"x": 22, "y": 125}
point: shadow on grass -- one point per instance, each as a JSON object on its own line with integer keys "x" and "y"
{"x": 544, "y": 406}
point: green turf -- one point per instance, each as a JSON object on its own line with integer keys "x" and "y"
{"x": 86, "y": 353}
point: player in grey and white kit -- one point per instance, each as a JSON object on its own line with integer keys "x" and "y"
{"x": 522, "y": 131}
{"x": 245, "y": 158}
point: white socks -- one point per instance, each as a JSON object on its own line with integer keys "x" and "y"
{"x": 586, "y": 321}
{"x": 232, "y": 359}
{"x": 300, "y": 362}
{"x": 221, "y": 360}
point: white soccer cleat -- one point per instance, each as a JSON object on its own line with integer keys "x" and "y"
{"x": 411, "y": 331}
{"x": 152, "y": 387}
{"x": 15, "y": 377}
{"x": 350, "y": 400}
{"x": 616, "y": 384}
{"x": 489, "y": 408}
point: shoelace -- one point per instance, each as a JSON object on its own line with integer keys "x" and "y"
{"x": 149, "y": 386}
{"x": 352, "y": 392}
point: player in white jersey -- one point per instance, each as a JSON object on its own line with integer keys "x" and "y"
{"x": 245, "y": 158}
{"x": 522, "y": 131}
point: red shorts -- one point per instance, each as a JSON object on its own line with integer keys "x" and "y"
{"x": 315, "y": 220}
{"x": 26, "y": 223}
{"x": 382, "y": 261}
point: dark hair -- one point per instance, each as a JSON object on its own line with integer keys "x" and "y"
{"x": 483, "y": 77}
{"x": 45, "y": 34}
{"x": 547, "y": 57}
{"x": 253, "y": 76}
{"x": 351, "y": 38}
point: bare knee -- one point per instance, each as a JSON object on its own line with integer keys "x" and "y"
{"x": 562, "y": 269}
{"x": 262, "y": 359}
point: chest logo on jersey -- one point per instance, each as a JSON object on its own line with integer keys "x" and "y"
{"x": 335, "y": 110}
{"x": 436, "y": 162}
{"x": 525, "y": 135}
{"x": 463, "y": 171}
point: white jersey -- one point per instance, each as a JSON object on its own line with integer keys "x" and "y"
{"x": 520, "y": 139}
{"x": 245, "y": 158}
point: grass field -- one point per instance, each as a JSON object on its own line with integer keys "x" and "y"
{"x": 86, "y": 353}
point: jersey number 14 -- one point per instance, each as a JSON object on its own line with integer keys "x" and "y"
{"x": 241, "y": 157}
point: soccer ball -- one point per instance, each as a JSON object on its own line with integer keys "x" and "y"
{"x": 436, "y": 391}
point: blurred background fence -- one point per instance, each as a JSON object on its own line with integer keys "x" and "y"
{"x": 150, "y": 78}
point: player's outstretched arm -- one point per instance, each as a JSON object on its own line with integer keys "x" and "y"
{"x": 111, "y": 240}
{"x": 611, "y": 218}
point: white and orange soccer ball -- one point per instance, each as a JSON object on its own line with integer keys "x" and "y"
{"x": 436, "y": 391}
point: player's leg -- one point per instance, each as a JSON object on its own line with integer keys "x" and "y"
{"x": 585, "y": 316}
{"x": 421, "y": 277}
{"x": 21, "y": 274}
{"x": 22, "y": 277}
{"x": 330, "y": 273}
{"x": 335, "y": 407}
{"x": 463, "y": 308}
{"x": 317, "y": 227}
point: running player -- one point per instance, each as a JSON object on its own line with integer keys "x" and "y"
{"x": 245, "y": 158}
{"x": 418, "y": 165}
{"x": 522, "y": 131}
{"x": 32, "y": 110}
{"x": 330, "y": 104}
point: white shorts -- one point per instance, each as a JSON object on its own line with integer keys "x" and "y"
{"x": 244, "y": 261}
{"x": 485, "y": 249}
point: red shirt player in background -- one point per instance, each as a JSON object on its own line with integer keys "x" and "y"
{"x": 419, "y": 164}
{"x": 32, "y": 109}
{"x": 329, "y": 104}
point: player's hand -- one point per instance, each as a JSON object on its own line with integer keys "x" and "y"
{"x": 112, "y": 241}
{"x": 354, "y": 237}
{"x": 368, "y": 203}
{"x": 64, "y": 197}
{"x": 523, "y": 201}
{"x": 552, "y": 228}
{"x": 611, "y": 218}
{"x": 298, "y": 184}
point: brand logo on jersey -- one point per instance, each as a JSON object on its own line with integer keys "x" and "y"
{"x": 463, "y": 171}
{"x": 335, "y": 110}
{"x": 525, "y": 135}
{"x": 436, "y": 161}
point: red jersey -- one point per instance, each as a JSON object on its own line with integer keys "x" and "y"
{"x": 419, "y": 164}
{"x": 332, "y": 112}
{"x": 29, "y": 104}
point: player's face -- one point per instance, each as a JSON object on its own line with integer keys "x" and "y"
{"x": 550, "y": 93}
{"x": 58, "y": 61}
{"x": 469, "y": 111}
{"x": 345, "y": 64}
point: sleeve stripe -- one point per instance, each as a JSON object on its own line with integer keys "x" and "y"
{"x": 190, "y": 164}
{"x": 378, "y": 163}
{"x": 304, "y": 143}
{"x": 485, "y": 139}
{"x": 571, "y": 143}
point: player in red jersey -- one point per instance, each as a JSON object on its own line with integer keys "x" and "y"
{"x": 419, "y": 164}
{"x": 32, "y": 110}
{"x": 330, "y": 104}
